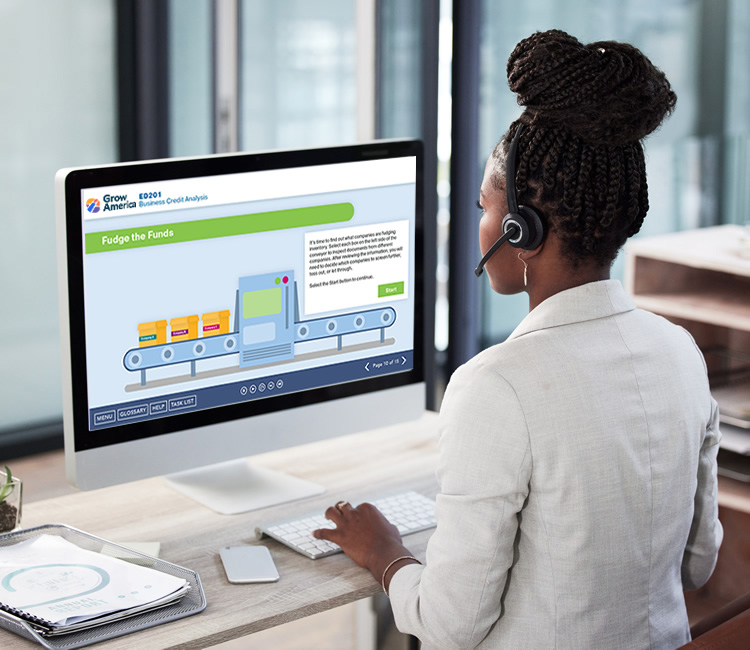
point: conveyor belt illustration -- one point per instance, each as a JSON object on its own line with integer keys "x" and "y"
{"x": 266, "y": 329}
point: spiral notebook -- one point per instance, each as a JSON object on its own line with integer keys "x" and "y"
{"x": 13, "y": 614}
{"x": 58, "y": 587}
{"x": 47, "y": 628}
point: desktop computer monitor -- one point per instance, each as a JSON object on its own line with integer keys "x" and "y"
{"x": 217, "y": 307}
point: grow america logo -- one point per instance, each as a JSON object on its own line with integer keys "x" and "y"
{"x": 111, "y": 202}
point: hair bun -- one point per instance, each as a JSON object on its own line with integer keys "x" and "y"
{"x": 605, "y": 92}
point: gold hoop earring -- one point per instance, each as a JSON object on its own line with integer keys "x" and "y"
{"x": 525, "y": 269}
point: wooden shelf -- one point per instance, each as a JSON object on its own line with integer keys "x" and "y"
{"x": 698, "y": 275}
{"x": 734, "y": 494}
{"x": 722, "y": 248}
{"x": 724, "y": 307}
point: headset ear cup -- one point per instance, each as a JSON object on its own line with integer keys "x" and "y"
{"x": 534, "y": 228}
{"x": 530, "y": 227}
{"x": 522, "y": 236}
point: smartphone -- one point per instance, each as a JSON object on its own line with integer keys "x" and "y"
{"x": 245, "y": 564}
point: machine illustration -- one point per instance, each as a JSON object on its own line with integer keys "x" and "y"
{"x": 266, "y": 329}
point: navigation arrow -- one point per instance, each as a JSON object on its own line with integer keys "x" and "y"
{"x": 367, "y": 366}
{"x": 403, "y": 360}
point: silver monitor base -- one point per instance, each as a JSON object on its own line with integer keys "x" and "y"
{"x": 236, "y": 486}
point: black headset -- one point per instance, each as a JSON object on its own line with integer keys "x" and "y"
{"x": 522, "y": 226}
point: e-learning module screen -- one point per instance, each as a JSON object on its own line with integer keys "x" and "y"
{"x": 191, "y": 303}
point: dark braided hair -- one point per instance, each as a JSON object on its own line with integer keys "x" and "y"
{"x": 581, "y": 163}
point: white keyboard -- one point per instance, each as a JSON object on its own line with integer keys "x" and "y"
{"x": 410, "y": 512}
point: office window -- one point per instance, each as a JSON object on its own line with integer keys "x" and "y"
{"x": 190, "y": 78}
{"x": 58, "y": 110}
{"x": 302, "y": 71}
{"x": 737, "y": 160}
{"x": 681, "y": 156}
{"x": 399, "y": 69}
{"x": 297, "y": 74}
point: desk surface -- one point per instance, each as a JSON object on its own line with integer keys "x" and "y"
{"x": 352, "y": 467}
{"x": 356, "y": 467}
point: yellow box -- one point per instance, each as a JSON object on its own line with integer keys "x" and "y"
{"x": 184, "y": 328}
{"x": 153, "y": 333}
{"x": 216, "y": 322}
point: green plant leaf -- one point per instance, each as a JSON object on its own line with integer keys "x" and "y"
{"x": 7, "y": 487}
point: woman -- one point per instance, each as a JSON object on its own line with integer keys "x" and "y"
{"x": 577, "y": 464}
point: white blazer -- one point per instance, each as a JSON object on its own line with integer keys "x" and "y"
{"x": 577, "y": 481}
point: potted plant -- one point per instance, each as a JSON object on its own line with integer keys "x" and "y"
{"x": 10, "y": 501}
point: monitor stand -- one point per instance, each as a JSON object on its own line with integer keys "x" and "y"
{"x": 236, "y": 486}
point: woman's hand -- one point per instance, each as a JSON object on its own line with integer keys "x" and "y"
{"x": 365, "y": 535}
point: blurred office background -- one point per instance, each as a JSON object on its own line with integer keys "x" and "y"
{"x": 99, "y": 81}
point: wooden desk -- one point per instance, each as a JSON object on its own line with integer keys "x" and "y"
{"x": 354, "y": 467}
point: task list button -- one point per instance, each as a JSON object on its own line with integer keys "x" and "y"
{"x": 181, "y": 403}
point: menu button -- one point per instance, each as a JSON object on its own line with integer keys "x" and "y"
{"x": 105, "y": 417}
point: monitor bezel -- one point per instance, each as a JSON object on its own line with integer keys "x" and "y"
{"x": 76, "y": 180}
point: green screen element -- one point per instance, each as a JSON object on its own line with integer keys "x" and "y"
{"x": 392, "y": 289}
{"x": 264, "y": 302}
{"x": 243, "y": 224}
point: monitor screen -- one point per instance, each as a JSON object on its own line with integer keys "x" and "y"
{"x": 215, "y": 306}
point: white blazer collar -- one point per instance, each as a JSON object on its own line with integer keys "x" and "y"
{"x": 585, "y": 302}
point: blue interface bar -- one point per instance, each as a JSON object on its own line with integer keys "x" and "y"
{"x": 248, "y": 390}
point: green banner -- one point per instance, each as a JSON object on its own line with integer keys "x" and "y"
{"x": 243, "y": 224}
